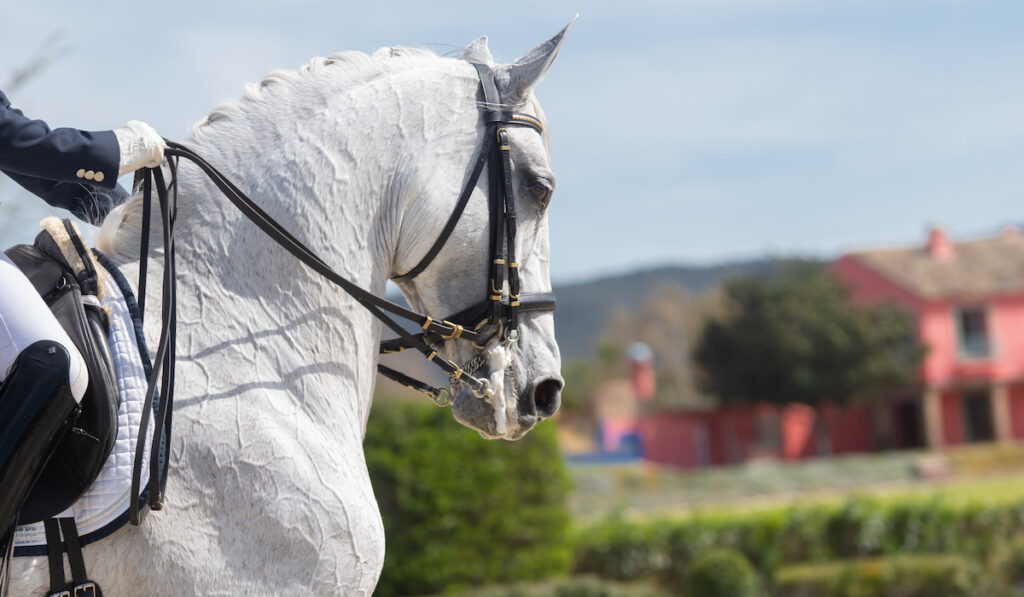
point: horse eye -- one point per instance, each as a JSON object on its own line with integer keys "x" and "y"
{"x": 541, "y": 191}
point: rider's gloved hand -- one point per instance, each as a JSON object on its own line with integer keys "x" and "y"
{"x": 140, "y": 145}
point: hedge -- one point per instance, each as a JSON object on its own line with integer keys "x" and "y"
{"x": 625, "y": 550}
{"x": 461, "y": 511}
{"x": 903, "y": 576}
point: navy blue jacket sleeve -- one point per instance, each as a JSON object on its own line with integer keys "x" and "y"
{"x": 88, "y": 202}
{"x": 66, "y": 167}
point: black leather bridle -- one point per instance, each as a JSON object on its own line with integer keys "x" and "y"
{"x": 496, "y": 310}
{"x": 496, "y": 318}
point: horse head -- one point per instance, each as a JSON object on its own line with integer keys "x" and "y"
{"x": 522, "y": 369}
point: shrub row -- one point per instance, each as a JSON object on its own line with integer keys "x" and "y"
{"x": 624, "y": 550}
{"x": 905, "y": 576}
{"x": 572, "y": 587}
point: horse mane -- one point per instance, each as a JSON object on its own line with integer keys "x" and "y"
{"x": 351, "y": 66}
{"x": 121, "y": 231}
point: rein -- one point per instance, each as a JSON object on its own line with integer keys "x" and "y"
{"x": 496, "y": 311}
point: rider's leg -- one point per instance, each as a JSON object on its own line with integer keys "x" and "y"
{"x": 25, "y": 319}
{"x": 41, "y": 387}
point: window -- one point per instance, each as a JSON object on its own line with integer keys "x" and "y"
{"x": 978, "y": 417}
{"x": 972, "y": 327}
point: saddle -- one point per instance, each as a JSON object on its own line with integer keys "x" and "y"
{"x": 64, "y": 273}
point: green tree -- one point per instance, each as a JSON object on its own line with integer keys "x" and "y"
{"x": 796, "y": 337}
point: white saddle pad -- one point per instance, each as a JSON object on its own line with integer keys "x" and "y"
{"x": 104, "y": 508}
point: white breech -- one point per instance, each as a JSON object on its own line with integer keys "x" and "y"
{"x": 25, "y": 319}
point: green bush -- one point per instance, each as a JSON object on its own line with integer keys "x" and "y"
{"x": 1009, "y": 562}
{"x": 617, "y": 549}
{"x": 461, "y": 511}
{"x": 720, "y": 573}
{"x": 857, "y": 529}
{"x": 903, "y": 576}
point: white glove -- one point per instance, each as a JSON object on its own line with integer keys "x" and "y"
{"x": 140, "y": 145}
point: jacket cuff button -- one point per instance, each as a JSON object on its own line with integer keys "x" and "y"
{"x": 99, "y": 177}
{"x": 89, "y": 175}
{"x": 80, "y": 173}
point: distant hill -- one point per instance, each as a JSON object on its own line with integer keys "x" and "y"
{"x": 585, "y": 307}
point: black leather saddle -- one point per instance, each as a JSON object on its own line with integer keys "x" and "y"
{"x": 66, "y": 277}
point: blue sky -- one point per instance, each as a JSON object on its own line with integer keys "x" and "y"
{"x": 684, "y": 132}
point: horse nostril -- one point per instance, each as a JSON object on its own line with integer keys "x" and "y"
{"x": 547, "y": 396}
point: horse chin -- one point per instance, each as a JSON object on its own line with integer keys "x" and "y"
{"x": 490, "y": 418}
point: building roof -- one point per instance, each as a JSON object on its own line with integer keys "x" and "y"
{"x": 942, "y": 269}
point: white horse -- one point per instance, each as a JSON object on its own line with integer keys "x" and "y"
{"x": 362, "y": 158}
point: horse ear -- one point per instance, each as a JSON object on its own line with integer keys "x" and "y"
{"x": 517, "y": 80}
{"x": 478, "y": 52}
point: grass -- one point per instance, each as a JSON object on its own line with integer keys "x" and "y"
{"x": 579, "y": 586}
{"x": 983, "y": 473}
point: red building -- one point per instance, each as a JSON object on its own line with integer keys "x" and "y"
{"x": 968, "y": 302}
{"x": 734, "y": 434}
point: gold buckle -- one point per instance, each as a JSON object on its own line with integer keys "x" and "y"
{"x": 456, "y": 330}
{"x": 82, "y": 588}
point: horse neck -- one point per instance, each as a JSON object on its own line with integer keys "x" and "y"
{"x": 250, "y": 311}
{"x": 335, "y": 174}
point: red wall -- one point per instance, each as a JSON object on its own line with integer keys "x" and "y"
{"x": 937, "y": 329}
{"x": 952, "y": 425}
{"x": 1007, "y": 328}
{"x": 849, "y": 428}
{"x": 671, "y": 438}
{"x": 1016, "y": 397}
